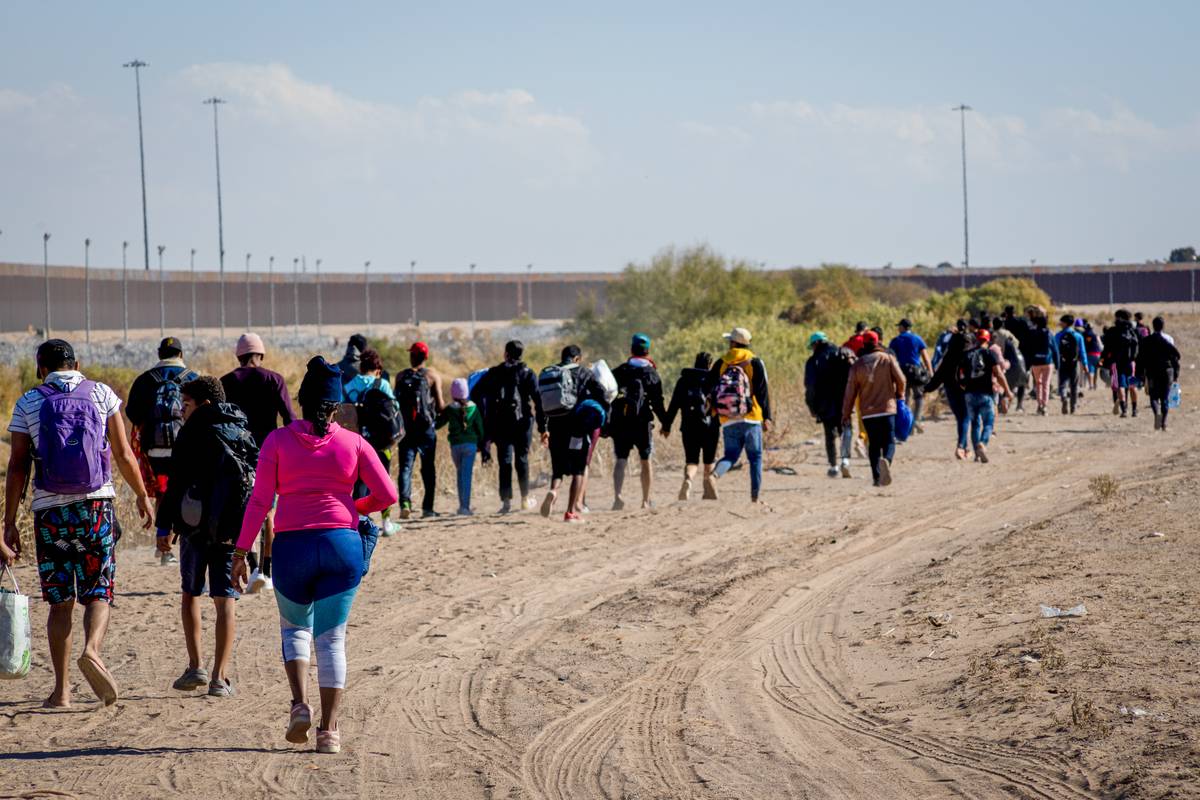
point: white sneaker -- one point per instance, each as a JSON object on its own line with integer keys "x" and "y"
{"x": 390, "y": 528}
{"x": 528, "y": 503}
{"x": 167, "y": 558}
{"x": 258, "y": 582}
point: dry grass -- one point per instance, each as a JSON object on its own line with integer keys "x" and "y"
{"x": 1104, "y": 487}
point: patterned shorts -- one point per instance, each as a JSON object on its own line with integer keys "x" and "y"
{"x": 75, "y": 551}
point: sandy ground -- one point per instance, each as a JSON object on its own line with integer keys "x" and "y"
{"x": 849, "y": 642}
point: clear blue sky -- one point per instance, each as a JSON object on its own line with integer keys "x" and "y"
{"x": 584, "y": 137}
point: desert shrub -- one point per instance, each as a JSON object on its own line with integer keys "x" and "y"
{"x": 993, "y": 296}
{"x": 677, "y": 288}
{"x": 899, "y": 293}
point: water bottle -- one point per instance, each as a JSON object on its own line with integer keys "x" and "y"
{"x": 1174, "y": 397}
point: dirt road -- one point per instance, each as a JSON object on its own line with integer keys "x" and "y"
{"x": 694, "y": 651}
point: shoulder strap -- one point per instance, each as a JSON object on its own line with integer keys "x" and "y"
{"x": 378, "y": 383}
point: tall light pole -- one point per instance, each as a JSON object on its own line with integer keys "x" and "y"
{"x": 137, "y": 80}
{"x": 296, "y": 294}
{"x": 271, "y": 285}
{"x": 46, "y": 277}
{"x": 162, "y": 295}
{"x": 412, "y": 285}
{"x": 962, "y": 110}
{"x": 87, "y": 291}
{"x": 472, "y": 300}
{"x": 192, "y": 271}
{"x": 367, "y": 291}
{"x": 125, "y": 290}
{"x": 318, "y": 277}
{"x": 529, "y": 294}
{"x": 248, "y": 324}
{"x": 215, "y": 102}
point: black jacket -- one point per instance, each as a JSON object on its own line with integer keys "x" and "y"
{"x": 626, "y": 374}
{"x": 490, "y": 395}
{"x": 691, "y": 380}
{"x": 825, "y": 376}
{"x": 1158, "y": 358}
{"x": 197, "y": 456}
{"x": 946, "y": 373}
{"x": 1120, "y": 343}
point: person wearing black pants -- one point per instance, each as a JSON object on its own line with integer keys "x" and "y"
{"x": 700, "y": 429}
{"x": 825, "y": 375}
{"x": 881, "y": 444}
{"x": 876, "y": 383}
{"x": 1158, "y": 363}
{"x": 946, "y": 377}
{"x": 508, "y": 396}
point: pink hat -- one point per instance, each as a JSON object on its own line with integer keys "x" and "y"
{"x": 250, "y": 343}
{"x": 460, "y": 389}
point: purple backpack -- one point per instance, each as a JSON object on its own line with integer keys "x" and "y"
{"x": 72, "y": 449}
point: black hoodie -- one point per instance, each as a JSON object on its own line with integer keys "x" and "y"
{"x": 196, "y": 459}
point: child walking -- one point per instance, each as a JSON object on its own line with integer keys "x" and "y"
{"x": 466, "y": 436}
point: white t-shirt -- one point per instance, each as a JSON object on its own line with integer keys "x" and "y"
{"x": 25, "y": 420}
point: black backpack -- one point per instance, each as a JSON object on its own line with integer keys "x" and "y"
{"x": 505, "y": 405}
{"x": 212, "y": 508}
{"x": 378, "y": 417}
{"x": 632, "y": 400}
{"x": 416, "y": 400}
{"x": 697, "y": 406}
{"x": 1068, "y": 348}
{"x": 166, "y": 415}
{"x": 1129, "y": 342}
{"x": 974, "y": 366}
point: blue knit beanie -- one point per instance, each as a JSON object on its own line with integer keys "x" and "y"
{"x": 322, "y": 382}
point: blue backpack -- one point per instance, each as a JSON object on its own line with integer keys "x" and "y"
{"x": 72, "y": 449}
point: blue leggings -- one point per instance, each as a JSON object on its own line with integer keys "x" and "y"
{"x": 316, "y": 576}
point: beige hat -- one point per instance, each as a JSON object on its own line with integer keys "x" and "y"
{"x": 738, "y": 336}
{"x": 250, "y": 343}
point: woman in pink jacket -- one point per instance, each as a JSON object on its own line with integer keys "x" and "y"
{"x": 312, "y": 464}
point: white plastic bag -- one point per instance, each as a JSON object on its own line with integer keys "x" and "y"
{"x": 606, "y": 380}
{"x": 16, "y": 642}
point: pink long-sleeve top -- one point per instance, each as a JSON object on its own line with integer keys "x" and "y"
{"x": 314, "y": 477}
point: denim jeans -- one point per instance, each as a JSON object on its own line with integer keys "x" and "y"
{"x": 958, "y": 406}
{"x": 425, "y": 444}
{"x": 981, "y": 412}
{"x": 881, "y": 440}
{"x": 463, "y": 456}
{"x": 741, "y": 436}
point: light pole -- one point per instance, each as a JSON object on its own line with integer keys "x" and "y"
{"x": 46, "y": 277}
{"x": 412, "y": 285}
{"x": 962, "y": 109}
{"x": 87, "y": 291}
{"x": 367, "y": 291}
{"x": 125, "y": 290}
{"x": 162, "y": 295}
{"x": 318, "y": 277}
{"x": 215, "y": 102}
{"x": 192, "y": 271}
{"x": 271, "y": 284}
{"x": 248, "y": 324}
{"x": 137, "y": 80}
{"x": 529, "y": 294}
{"x": 296, "y": 294}
{"x": 472, "y": 300}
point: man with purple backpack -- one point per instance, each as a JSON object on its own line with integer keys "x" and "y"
{"x": 69, "y": 428}
{"x": 742, "y": 400}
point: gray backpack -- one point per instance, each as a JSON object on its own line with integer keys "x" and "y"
{"x": 558, "y": 387}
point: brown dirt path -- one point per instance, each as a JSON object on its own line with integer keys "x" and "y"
{"x": 694, "y": 651}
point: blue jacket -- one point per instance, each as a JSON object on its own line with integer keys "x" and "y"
{"x": 1080, "y": 347}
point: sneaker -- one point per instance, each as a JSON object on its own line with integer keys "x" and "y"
{"x": 860, "y": 451}
{"x": 845, "y": 468}
{"x": 572, "y": 516}
{"x": 685, "y": 491}
{"x": 191, "y": 679}
{"x": 918, "y": 427}
{"x": 405, "y": 513}
{"x": 258, "y": 582}
{"x": 430, "y": 514}
{"x": 618, "y": 505}
{"x": 466, "y": 512}
{"x": 981, "y": 454}
{"x": 960, "y": 453}
{"x": 299, "y": 723}
{"x": 548, "y": 504}
{"x": 1116, "y": 407}
{"x": 832, "y": 471}
{"x": 585, "y": 509}
{"x": 506, "y": 507}
{"x": 329, "y": 741}
{"x": 1158, "y": 422}
{"x": 1133, "y": 411}
{"x": 221, "y": 688}
{"x": 885, "y": 472}
{"x": 167, "y": 558}
{"x": 528, "y": 504}
{"x": 390, "y": 528}
{"x": 1064, "y": 406}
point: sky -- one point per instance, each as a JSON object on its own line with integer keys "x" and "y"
{"x": 578, "y": 136}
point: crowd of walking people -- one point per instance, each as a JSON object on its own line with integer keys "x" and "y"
{"x": 227, "y": 471}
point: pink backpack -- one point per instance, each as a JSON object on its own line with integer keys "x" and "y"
{"x": 732, "y": 394}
